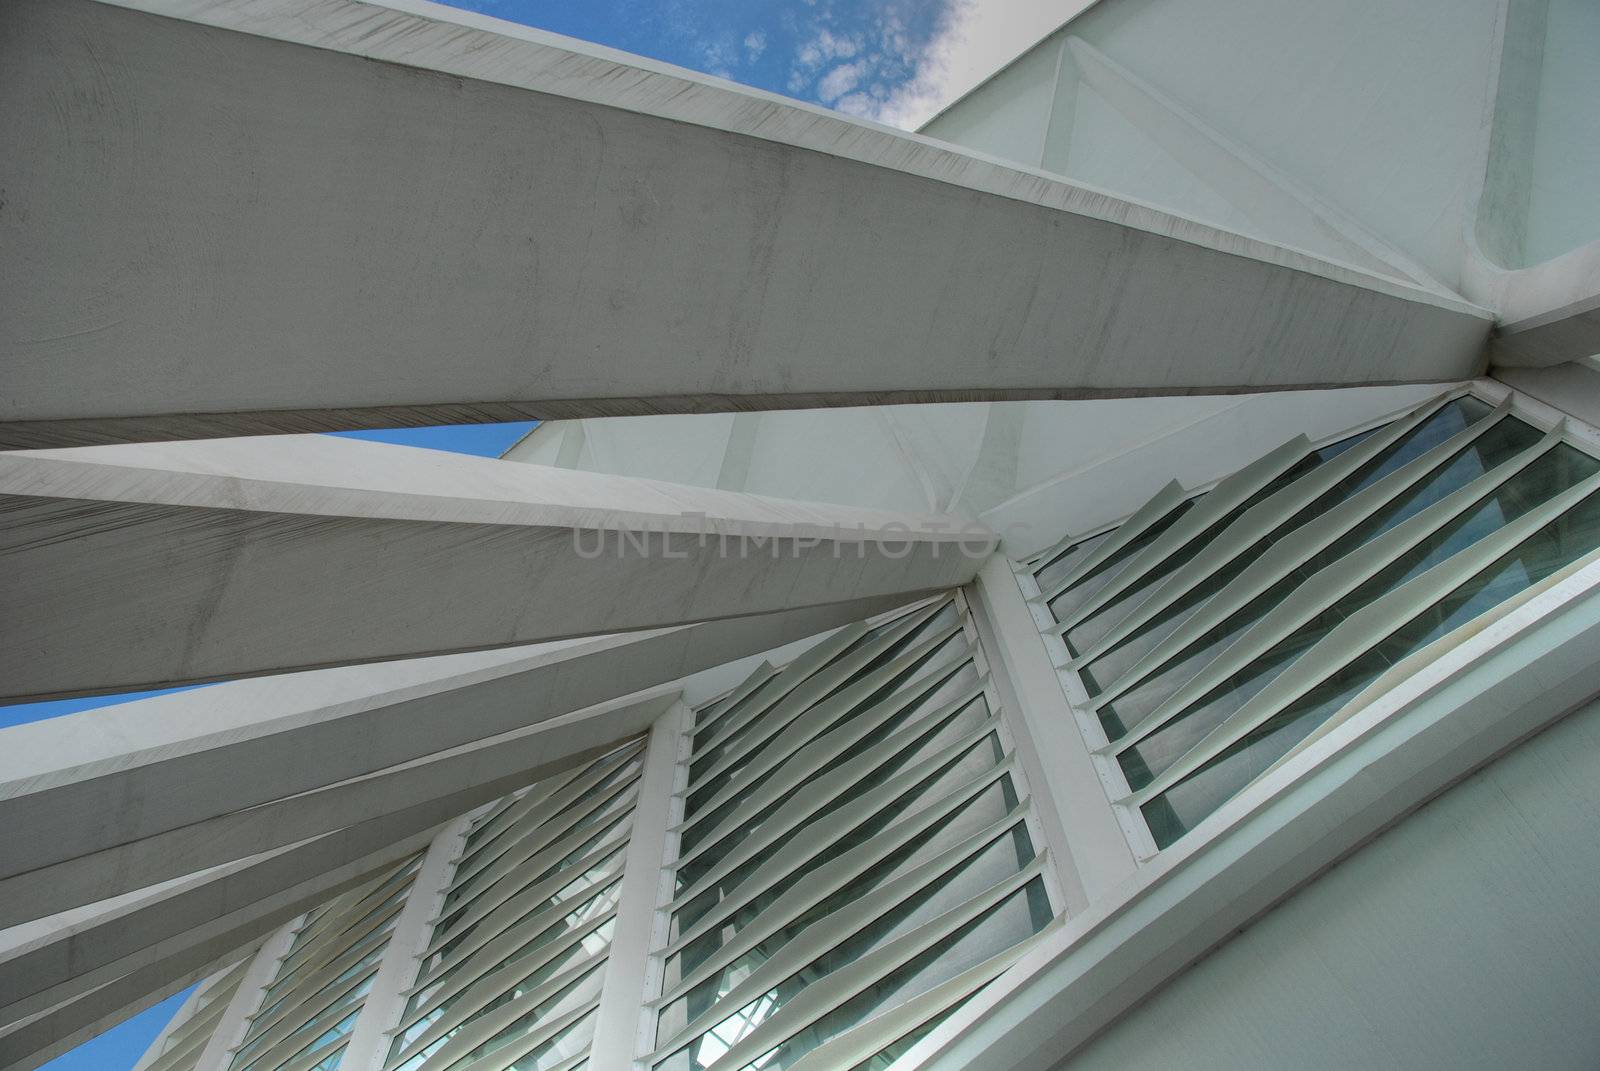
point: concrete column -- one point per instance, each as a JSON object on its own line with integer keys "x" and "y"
{"x": 380, "y": 1014}
{"x": 617, "y": 1021}
{"x": 230, "y": 1030}
{"x": 1073, "y": 807}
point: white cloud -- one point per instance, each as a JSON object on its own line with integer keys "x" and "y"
{"x": 975, "y": 38}
{"x": 755, "y": 43}
{"x": 857, "y": 104}
{"x": 827, "y": 46}
{"x": 839, "y": 81}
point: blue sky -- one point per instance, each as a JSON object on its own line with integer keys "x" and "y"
{"x": 874, "y": 58}
{"x": 879, "y": 59}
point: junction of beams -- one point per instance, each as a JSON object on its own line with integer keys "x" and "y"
{"x": 153, "y": 564}
{"x": 497, "y": 224}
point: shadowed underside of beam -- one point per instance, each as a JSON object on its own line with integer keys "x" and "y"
{"x": 152, "y": 564}
{"x": 497, "y": 223}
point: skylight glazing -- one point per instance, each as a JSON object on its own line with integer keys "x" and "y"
{"x": 857, "y": 854}
{"x": 511, "y": 975}
{"x": 1213, "y": 634}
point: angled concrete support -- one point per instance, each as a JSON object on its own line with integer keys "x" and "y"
{"x": 159, "y": 563}
{"x": 87, "y": 809}
{"x": 497, "y": 223}
{"x": 64, "y": 1027}
{"x": 179, "y": 926}
{"x": 1569, "y": 333}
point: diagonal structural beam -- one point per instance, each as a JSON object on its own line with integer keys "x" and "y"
{"x": 496, "y": 223}
{"x": 1569, "y": 333}
{"x": 87, "y": 809}
{"x": 150, "y": 564}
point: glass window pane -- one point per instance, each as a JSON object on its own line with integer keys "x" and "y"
{"x": 1570, "y": 537}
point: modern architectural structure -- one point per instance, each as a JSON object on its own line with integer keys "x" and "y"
{"x": 1112, "y": 580}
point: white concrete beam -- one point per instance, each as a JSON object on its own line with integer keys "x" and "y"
{"x": 87, "y": 801}
{"x": 29, "y": 1044}
{"x": 192, "y": 921}
{"x": 496, "y": 766}
{"x": 496, "y": 223}
{"x": 149, "y": 564}
{"x": 1569, "y": 333}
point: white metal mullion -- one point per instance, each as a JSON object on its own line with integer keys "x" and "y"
{"x": 823, "y": 790}
{"x": 594, "y": 893}
{"x": 361, "y": 901}
{"x": 623, "y": 989}
{"x": 487, "y": 912}
{"x": 571, "y": 828}
{"x": 826, "y": 880}
{"x": 823, "y": 996}
{"x": 902, "y": 829}
{"x": 812, "y": 676}
{"x": 1160, "y": 504}
{"x": 291, "y": 1002}
{"x": 569, "y": 807}
{"x": 283, "y": 1041}
{"x": 813, "y": 724}
{"x": 1330, "y": 584}
{"x": 312, "y": 1057}
{"x": 1277, "y": 562}
{"x": 467, "y": 1009}
{"x": 867, "y": 1039}
{"x": 1353, "y": 636}
{"x": 740, "y": 692}
{"x": 1256, "y": 522}
{"x": 1009, "y": 743}
{"x": 661, "y": 920}
{"x": 486, "y": 1027}
{"x": 790, "y": 677}
{"x": 883, "y": 794}
{"x": 831, "y": 739}
{"x": 834, "y": 684}
{"x": 383, "y": 1017}
{"x": 306, "y": 1027}
{"x": 510, "y": 812}
{"x": 247, "y": 999}
{"x": 510, "y": 1054}
{"x": 1222, "y": 500}
{"x": 488, "y": 966}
